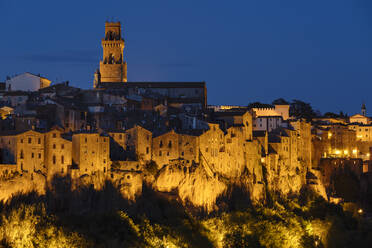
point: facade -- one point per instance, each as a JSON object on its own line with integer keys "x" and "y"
{"x": 358, "y": 118}
{"x": 267, "y": 123}
{"x": 58, "y": 153}
{"x": 27, "y": 82}
{"x": 90, "y": 152}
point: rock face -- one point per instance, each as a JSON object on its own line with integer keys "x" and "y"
{"x": 193, "y": 184}
{"x": 21, "y": 184}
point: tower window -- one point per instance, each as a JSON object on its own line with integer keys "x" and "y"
{"x": 54, "y": 159}
{"x": 62, "y": 159}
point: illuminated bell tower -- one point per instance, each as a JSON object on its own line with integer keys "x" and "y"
{"x": 112, "y": 67}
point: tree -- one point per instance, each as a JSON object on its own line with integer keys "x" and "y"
{"x": 300, "y": 109}
{"x": 280, "y": 101}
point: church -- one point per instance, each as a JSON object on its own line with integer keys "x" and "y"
{"x": 112, "y": 76}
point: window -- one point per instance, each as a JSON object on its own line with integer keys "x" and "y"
{"x": 62, "y": 159}
{"x": 54, "y": 135}
{"x": 39, "y": 141}
{"x": 104, "y": 161}
{"x": 120, "y": 136}
{"x": 147, "y": 150}
{"x": 183, "y": 154}
{"x": 63, "y": 146}
{"x": 32, "y": 155}
{"x": 160, "y": 153}
{"x": 54, "y": 146}
{"x": 170, "y": 144}
{"x": 147, "y": 137}
{"x": 54, "y": 159}
{"x": 167, "y": 153}
{"x": 86, "y": 140}
{"x": 161, "y": 143}
{"x": 39, "y": 155}
{"x": 21, "y": 140}
{"x": 21, "y": 156}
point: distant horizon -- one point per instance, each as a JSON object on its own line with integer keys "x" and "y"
{"x": 318, "y": 52}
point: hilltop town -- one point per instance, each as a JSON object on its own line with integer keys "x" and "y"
{"x": 165, "y": 135}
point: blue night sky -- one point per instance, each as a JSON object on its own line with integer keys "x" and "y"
{"x": 254, "y": 50}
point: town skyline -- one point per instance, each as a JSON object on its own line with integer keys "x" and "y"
{"x": 231, "y": 55}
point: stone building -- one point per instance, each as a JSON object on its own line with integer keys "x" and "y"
{"x": 138, "y": 140}
{"x": 25, "y": 149}
{"x": 90, "y": 152}
{"x": 172, "y": 146}
{"x": 58, "y": 153}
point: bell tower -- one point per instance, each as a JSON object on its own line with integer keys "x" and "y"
{"x": 112, "y": 66}
{"x": 364, "y": 110}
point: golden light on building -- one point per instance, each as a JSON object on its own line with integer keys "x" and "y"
{"x": 337, "y": 152}
{"x": 368, "y": 154}
{"x": 360, "y": 211}
{"x": 355, "y": 151}
{"x": 346, "y": 152}
{"x": 329, "y": 135}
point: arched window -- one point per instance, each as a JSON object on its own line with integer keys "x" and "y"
{"x": 21, "y": 156}
{"x": 62, "y": 159}
{"x": 170, "y": 144}
{"x": 54, "y": 159}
